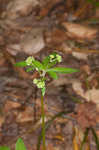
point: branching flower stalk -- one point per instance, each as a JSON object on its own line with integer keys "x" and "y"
{"x": 43, "y": 68}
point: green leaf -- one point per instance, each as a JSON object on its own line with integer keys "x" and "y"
{"x": 53, "y": 75}
{"x": 4, "y": 148}
{"x": 38, "y": 65}
{"x": 51, "y": 64}
{"x": 20, "y": 145}
{"x": 62, "y": 70}
{"x": 20, "y": 64}
{"x": 46, "y": 61}
{"x": 29, "y": 69}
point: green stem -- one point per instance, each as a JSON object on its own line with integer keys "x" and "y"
{"x": 43, "y": 122}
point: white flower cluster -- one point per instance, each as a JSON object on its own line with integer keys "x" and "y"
{"x": 39, "y": 83}
{"x": 57, "y": 57}
{"x": 29, "y": 60}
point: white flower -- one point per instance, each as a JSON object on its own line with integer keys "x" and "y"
{"x": 39, "y": 83}
{"x": 59, "y": 58}
{"x": 29, "y": 60}
{"x": 52, "y": 58}
{"x": 35, "y": 81}
{"x": 36, "y": 69}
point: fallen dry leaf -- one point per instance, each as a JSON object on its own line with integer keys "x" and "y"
{"x": 86, "y": 69}
{"x": 2, "y": 119}
{"x": 93, "y": 95}
{"x": 87, "y": 115}
{"x": 33, "y": 41}
{"x": 78, "y": 55}
{"x": 75, "y": 144}
{"x": 50, "y": 147}
{"x": 48, "y": 7}
{"x": 77, "y": 86}
{"x": 90, "y": 95}
{"x": 20, "y": 7}
{"x": 79, "y": 31}
{"x": 53, "y": 37}
{"x": 78, "y": 137}
{"x": 25, "y": 116}
{"x": 11, "y": 105}
{"x": 97, "y": 13}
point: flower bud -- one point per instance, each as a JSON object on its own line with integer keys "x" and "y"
{"x": 59, "y": 58}
{"x": 29, "y": 60}
{"x": 51, "y": 58}
{"x": 41, "y": 84}
{"x": 35, "y": 81}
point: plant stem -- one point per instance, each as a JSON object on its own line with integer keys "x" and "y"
{"x": 43, "y": 121}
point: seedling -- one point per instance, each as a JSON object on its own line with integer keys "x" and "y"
{"x": 46, "y": 67}
{"x": 19, "y": 145}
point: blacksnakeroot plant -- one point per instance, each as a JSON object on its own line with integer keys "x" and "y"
{"x": 43, "y": 68}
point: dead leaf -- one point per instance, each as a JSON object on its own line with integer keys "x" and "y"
{"x": 59, "y": 137}
{"x": 11, "y": 105}
{"x": 77, "y": 87}
{"x": 86, "y": 69}
{"x": 33, "y": 41}
{"x": 78, "y": 55}
{"x": 25, "y": 116}
{"x": 20, "y": 7}
{"x": 93, "y": 95}
{"x": 36, "y": 125}
{"x": 79, "y": 31}
{"x": 87, "y": 114}
{"x": 47, "y": 8}
{"x": 90, "y": 95}
{"x": 66, "y": 48}
{"x": 50, "y": 147}
{"x": 75, "y": 144}
{"x": 78, "y": 138}
{"x": 2, "y": 119}
{"x": 54, "y": 37}
{"x": 97, "y": 13}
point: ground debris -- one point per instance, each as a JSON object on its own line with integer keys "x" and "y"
{"x": 39, "y": 27}
{"x": 87, "y": 116}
